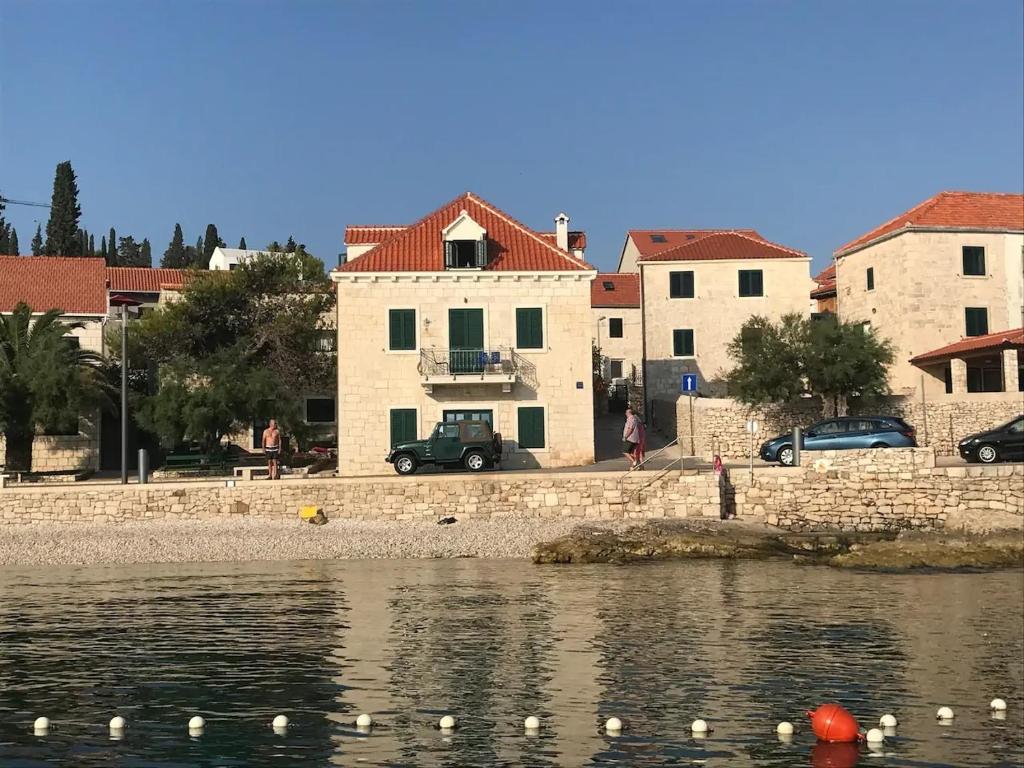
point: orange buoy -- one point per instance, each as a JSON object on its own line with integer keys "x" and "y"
{"x": 832, "y": 723}
{"x": 835, "y": 755}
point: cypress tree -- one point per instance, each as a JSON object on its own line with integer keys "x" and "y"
{"x": 145, "y": 253}
{"x": 290, "y": 246}
{"x": 5, "y": 237}
{"x": 197, "y": 259}
{"x": 92, "y": 246}
{"x": 111, "y": 255}
{"x": 175, "y": 256}
{"x": 62, "y": 228}
{"x": 241, "y": 243}
{"x": 210, "y": 242}
{"x": 37, "y": 241}
{"x": 12, "y": 247}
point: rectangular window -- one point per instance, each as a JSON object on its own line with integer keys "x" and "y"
{"x": 680, "y": 285}
{"x": 615, "y": 369}
{"x": 320, "y": 410}
{"x": 401, "y": 329}
{"x": 976, "y": 321}
{"x": 751, "y": 282}
{"x": 403, "y": 425}
{"x": 984, "y": 376}
{"x": 947, "y": 378}
{"x": 682, "y": 342}
{"x": 615, "y": 327}
{"x": 529, "y": 328}
{"x": 871, "y": 278}
{"x": 974, "y": 260}
{"x": 465, "y": 254}
{"x": 531, "y": 427}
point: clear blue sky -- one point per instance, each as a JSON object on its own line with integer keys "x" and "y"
{"x": 810, "y": 121}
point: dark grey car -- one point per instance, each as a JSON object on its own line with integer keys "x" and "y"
{"x": 844, "y": 433}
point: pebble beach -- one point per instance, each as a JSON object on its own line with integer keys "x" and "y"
{"x": 248, "y": 539}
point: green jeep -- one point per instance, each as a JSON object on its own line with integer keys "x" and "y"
{"x": 469, "y": 444}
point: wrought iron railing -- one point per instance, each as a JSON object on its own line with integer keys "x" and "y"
{"x": 467, "y": 362}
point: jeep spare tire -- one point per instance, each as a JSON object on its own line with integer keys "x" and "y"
{"x": 496, "y": 446}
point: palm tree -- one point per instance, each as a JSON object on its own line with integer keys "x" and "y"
{"x": 45, "y": 379}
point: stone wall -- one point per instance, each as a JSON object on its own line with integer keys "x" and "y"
{"x": 720, "y": 424}
{"x": 855, "y": 490}
{"x": 52, "y": 453}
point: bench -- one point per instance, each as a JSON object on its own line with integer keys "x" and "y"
{"x": 192, "y": 462}
{"x": 247, "y": 472}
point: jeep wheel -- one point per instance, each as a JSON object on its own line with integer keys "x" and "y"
{"x": 987, "y": 454}
{"x": 474, "y": 461}
{"x": 405, "y": 464}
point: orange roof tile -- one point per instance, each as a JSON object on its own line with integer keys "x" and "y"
{"x": 826, "y": 281}
{"x": 725, "y": 245}
{"x": 512, "y": 246}
{"x": 145, "y": 279}
{"x": 971, "y": 344}
{"x": 371, "y": 234}
{"x": 615, "y": 289}
{"x": 577, "y": 240}
{"x": 652, "y": 241}
{"x": 980, "y": 211}
{"x": 75, "y": 285}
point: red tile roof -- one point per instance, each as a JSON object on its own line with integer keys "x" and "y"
{"x": 373, "y": 234}
{"x": 673, "y": 238}
{"x": 826, "y": 281}
{"x": 726, "y": 245}
{"x": 75, "y": 285}
{"x": 577, "y": 240}
{"x": 419, "y": 247}
{"x": 624, "y": 290}
{"x": 145, "y": 279}
{"x": 972, "y": 344}
{"x": 978, "y": 211}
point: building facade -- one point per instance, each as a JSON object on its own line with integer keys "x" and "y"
{"x": 616, "y": 329}
{"x": 696, "y": 296}
{"x": 466, "y": 314}
{"x": 824, "y": 294}
{"x": 948, "y": 269}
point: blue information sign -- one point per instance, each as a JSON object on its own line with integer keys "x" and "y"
{"x": 689, "y": 382}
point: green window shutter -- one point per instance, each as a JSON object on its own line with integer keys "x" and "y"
{"x": 531, "y": 427}
{"x": 680, "y": 285}
{"x": 976, "y": 321}
{"x": 529, "y": 328}
{"x": 481, "y": 252}
{"x": 751, "y": 282}
{"x": 682, "y": 342}
{"x": 403, "y": 425}
{"x": 402, "y": 329}
{"x": 449, "y": 254}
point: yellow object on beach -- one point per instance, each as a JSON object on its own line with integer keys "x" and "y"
{"x": 307, "y": 512}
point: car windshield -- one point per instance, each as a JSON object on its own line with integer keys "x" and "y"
{"x": 1016, "y": 426}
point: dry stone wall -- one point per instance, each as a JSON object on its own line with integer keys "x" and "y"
{"x": 53, "y": 453}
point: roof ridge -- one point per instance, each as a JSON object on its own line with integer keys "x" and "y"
{"x": 682, "y": 246}
{"x": 376, "y": 226}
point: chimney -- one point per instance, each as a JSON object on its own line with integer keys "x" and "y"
{"x": 562, "y": 231}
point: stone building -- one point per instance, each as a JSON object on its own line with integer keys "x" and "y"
{"x": 616, "y": 329}
{"x": 465, "y": 314}
{"x": 697, "y": 288}
{"x": 948, "y": 269}
{"x": 824, "y": 293}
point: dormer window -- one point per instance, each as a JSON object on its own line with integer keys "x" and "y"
{"x": 465, "y": 244}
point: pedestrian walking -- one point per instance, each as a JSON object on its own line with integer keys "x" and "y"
{"x": 631, "y": 436}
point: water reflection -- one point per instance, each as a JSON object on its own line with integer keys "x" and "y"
{"x": 742, "y": 645}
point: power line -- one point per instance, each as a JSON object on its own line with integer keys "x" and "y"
{"x": 8, "y": 201}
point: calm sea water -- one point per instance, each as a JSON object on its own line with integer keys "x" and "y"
{"x": 741, "y": 644}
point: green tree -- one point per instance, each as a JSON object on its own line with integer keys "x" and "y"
{"x": 237, "y": 346}
{"x": 13, "y": 248}
{"x": 62, "y": 228}
{"x": 241, "y": 244}
{"x": 767, "y": 359}
{"x": 92, "y": 246}
{"x": 4, "y": 231}
{"x": 210, "y": 241}
{"x": 175, "y": 256}
{"x": 111, "y": 255}
{"x": 45, "y": 380}
{"x": 103, "y": 248}
{"x": 844, "y": 360}
{"x": 290, "y": 246}
{"x": 145, "y": 253}
{"x": 130, "y": 253}
{"x": 195, "y": 256}
{"x": 37, "y": 241}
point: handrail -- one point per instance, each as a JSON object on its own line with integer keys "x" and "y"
{"x": 652, "y": 479}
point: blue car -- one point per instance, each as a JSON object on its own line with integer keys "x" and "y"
{"x": 844, "y": 433}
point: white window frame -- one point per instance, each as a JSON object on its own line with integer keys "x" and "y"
{"x": 672, "y": 342}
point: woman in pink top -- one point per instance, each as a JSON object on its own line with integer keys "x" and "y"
{"x": 631, "y": 437}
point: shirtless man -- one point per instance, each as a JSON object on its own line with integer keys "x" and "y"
{"x": 272, "y": 448}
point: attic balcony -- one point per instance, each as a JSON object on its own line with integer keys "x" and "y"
{"x": 467, "y": 367}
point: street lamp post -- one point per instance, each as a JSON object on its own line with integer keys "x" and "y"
{"x": 124, "y": 302}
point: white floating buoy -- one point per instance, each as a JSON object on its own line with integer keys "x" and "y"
{"x": 784, "y": 729}
{"x": 196, "y": 723}
{"x": 364, "y": 721}
{"x": 281, "y": 721}
{"x": 998, "y": 714}
{"x": 613, "y": 724}
{"x": 944, "y": 713}
{"x": 117, "y": 723}
{"x": 447, "y": 722}
{"x": 531, "y": 723}
{"x": 887, "y": 721}
{"x": 999, "y": 705}
{"x": 699, "y": 726}
{"x": 41, "y": 723}
{"x": 875, "y": 736}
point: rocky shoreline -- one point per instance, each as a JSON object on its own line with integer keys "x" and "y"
{"x": 696, "y": 538}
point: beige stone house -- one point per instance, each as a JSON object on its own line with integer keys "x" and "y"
{"x": 466, "y": 314}
{"x": 824, "y": 293}
{"x": 616, "y": 329}
{"x": 947, "y": 270}
{"x": 698, "y": 287}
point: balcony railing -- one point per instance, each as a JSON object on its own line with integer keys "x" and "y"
{"x": 468, "y": 366}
